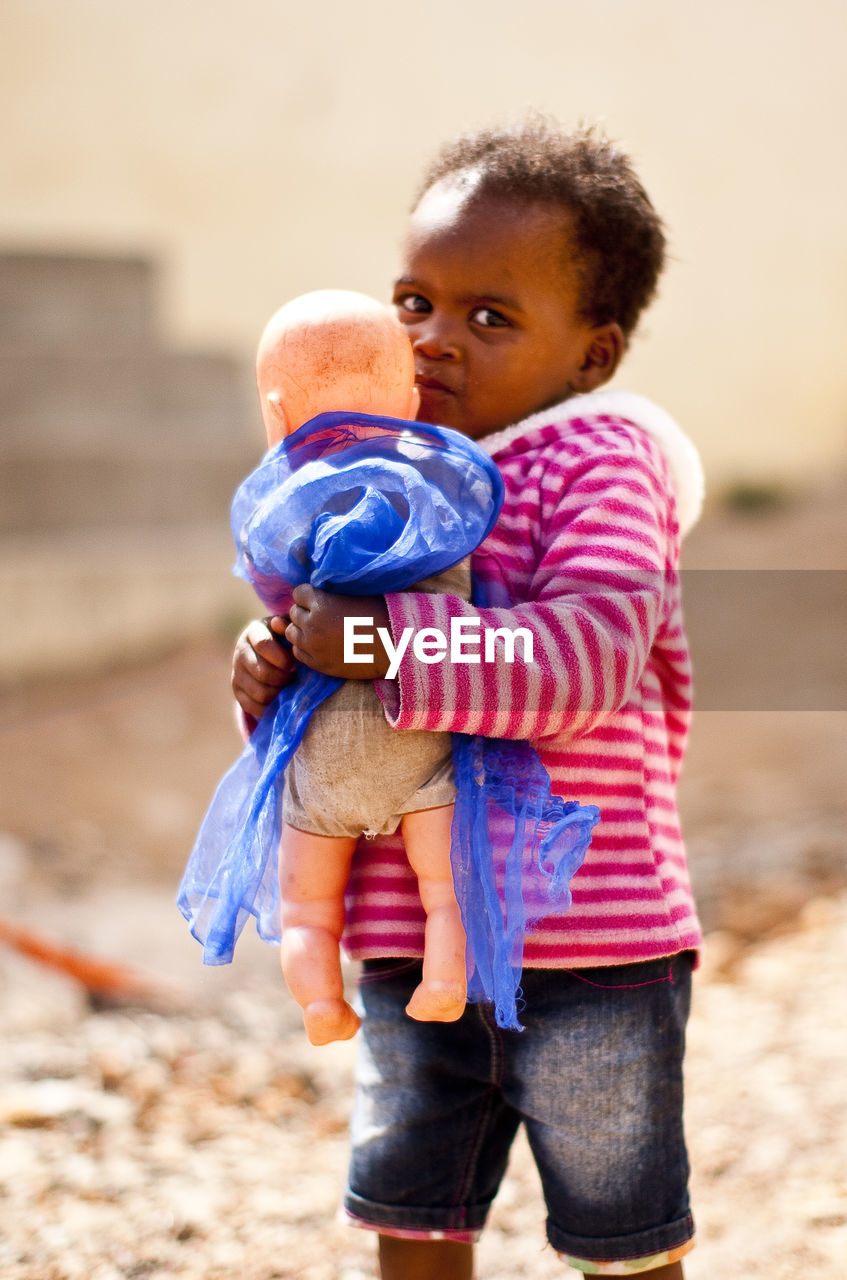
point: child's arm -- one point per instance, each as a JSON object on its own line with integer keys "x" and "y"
{"x": 602, "y": 584}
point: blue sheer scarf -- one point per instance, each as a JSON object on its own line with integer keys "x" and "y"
{"x": 366, "y": 505}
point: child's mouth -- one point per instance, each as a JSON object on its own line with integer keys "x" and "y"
{"x": 433, "y": 387}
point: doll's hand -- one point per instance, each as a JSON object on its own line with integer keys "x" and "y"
{"x": 261, "y": 665}
{"x": 316, "y": 632}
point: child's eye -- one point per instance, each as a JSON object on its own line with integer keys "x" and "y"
{"x": 414, "y": 302}
{"x": 488, "y": 318}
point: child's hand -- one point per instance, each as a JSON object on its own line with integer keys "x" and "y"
{"x": 261, "y": 665}
{"x": 316, "y": 632}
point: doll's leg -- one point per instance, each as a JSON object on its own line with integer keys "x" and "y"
{"x": 313, "y": 874}
{"x": 441, "y": 995}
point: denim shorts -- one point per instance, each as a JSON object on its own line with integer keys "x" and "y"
{"x": 595, "y": 1077}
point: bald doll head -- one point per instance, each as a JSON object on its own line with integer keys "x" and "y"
{"x": 333, "y": 349}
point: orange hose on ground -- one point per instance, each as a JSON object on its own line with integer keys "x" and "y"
{"x": 98, "y": 976}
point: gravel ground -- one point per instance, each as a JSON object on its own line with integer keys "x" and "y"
{"x": 199, "y": 1135}
{"x": 209, "y": 1140}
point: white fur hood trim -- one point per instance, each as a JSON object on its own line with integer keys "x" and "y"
{"x": 681, "y": 455}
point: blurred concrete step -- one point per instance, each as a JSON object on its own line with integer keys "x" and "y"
{"x": 76, "y": 601}
{"x": 88, "y": 395}
{"x": 115, "y": 490}
{"x": 56, "y": 300}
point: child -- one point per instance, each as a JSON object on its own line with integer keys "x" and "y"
{"x": 529, "y": 258}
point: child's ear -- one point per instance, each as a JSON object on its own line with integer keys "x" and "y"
{"x": 605, "y": 351}
{"x": 414, "y": 404}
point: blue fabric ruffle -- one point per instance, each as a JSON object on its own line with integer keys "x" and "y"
{"x": 515, "y": 848}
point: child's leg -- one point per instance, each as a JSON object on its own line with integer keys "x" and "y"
{"x": 442, "y": 994}
{"x": 446, "y": 1260}
{"x": 313, "y": 874}
{"x": 401, "y": 1259}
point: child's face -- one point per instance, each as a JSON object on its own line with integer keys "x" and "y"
{"x": 491, "y": 305}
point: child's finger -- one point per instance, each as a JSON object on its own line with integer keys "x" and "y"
{"x": 254, "y": 692}
{"x": 297, "y": 619}
{"x": 271, "y": 675}
{"x": 295, "y": 637}
{"x": 304, "y": 594}
{"x": 266, "y": 644}
{"x": 276, "y": 625}
{"x": 251, "y": 706}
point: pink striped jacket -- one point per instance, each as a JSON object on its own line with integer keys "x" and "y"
{"x": 586, "y": 556}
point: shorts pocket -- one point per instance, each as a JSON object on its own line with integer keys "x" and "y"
{"x": 642, "y": 973}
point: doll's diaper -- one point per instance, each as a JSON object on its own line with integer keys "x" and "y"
{"x": 354, "y": 774}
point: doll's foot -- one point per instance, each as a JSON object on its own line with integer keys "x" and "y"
{"x": 437, "y": 1002}
{"x": 328, "y": 1020}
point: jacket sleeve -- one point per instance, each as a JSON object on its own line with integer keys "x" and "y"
{"x": 602, "y": 584}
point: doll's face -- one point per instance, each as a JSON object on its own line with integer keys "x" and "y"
{"x": 489, "y": 295}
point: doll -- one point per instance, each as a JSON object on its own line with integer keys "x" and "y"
{"x": 335, "y": 350}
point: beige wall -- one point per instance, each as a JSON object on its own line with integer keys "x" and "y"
{"x": 264, "y": 147}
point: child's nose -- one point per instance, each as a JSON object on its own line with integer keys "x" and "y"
{"x": 434, "y": 340}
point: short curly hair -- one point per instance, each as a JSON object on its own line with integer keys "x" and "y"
{"x": 618, "y": 233}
